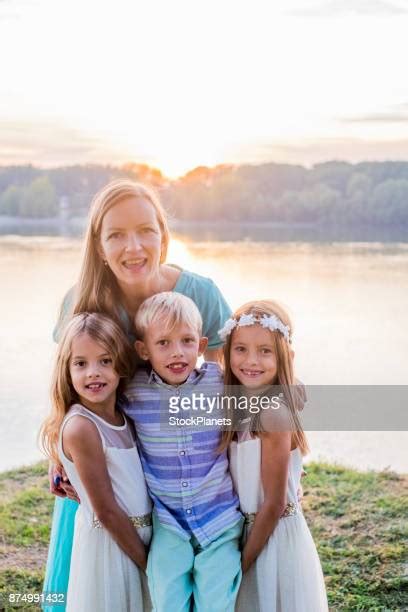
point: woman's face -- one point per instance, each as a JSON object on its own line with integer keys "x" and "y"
{"x": 131, "y": 242}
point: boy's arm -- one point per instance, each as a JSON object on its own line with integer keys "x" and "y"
{"x": 83, "y": 444}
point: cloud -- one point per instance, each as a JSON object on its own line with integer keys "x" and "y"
{"x": 13, "y": 11}
{"x": 380, "y": 118}
{"x": 341, "y": 8}
{"x": 9, "y": 11}
{"x": 397, "y": 114}
{"x": 309, "y": 152}
{"x": 49, "y": 143}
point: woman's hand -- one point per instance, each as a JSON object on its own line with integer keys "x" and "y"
{"x": 59, "y": 483}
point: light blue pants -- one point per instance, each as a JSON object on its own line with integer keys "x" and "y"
{"x": 178, "y": 569}
{"x": 59, "y": 552}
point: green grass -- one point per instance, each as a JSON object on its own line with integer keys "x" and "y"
{"x": 25, "y": 519}
{"x": 360, "y": 525}
{"x": 25, "y": 507}
{"x": 20, "y": 581}
{"x": 359, "y": 521}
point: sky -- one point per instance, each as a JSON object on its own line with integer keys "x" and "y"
{"x": 191, "y": 82}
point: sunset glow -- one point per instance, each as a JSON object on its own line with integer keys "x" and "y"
{"x": 177, "y": 85}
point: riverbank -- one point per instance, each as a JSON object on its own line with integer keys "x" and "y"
{"x": 359, "y": 521}
{"x": 222, "y": 230}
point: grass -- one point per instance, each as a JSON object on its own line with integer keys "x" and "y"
{"x": 360, "y": 524}
{"x": 359, "y": 521}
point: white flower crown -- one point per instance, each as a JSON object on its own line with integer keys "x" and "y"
{"x": 271, "y": 322}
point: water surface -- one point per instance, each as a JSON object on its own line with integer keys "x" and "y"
{"x": 349, "y": 302}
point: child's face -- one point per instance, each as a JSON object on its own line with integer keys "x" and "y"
{"x": 92, "y": 373}
{"x": 253, "y": 360}
{"x": 173, "y": 354}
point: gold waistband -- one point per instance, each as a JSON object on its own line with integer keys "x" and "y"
{"x": 145, "y": 520}
{"x": 290, "y": 510}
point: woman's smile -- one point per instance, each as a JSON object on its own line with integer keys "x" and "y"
{"x": 131, "y": 241}
{"x": 134, "y": 264}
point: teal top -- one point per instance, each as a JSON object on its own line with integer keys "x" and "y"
{"x": 202, "y": 290}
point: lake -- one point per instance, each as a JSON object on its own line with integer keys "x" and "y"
{"x": 348, "y": 300}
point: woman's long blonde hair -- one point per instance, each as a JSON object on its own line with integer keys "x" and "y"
{"x": 102, "y": 330}
{"x": 284, "y": 379}
{"x": 97, "y": 289}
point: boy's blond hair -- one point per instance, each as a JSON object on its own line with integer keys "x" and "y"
{"x": 171, "y": 309}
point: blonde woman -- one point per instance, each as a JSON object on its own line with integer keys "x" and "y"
{"x": 124, "y": 262}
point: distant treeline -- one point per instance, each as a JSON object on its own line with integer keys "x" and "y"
{"x": 368, "y": 193}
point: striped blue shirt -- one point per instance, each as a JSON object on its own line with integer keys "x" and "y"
{"x": 189, "y": 481}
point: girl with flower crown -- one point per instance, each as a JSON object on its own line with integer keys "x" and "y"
{"x": 282, "y": 571}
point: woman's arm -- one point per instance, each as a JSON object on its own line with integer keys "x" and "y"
{"x": 274, "y": 473}
{"x": 82, "y": 443}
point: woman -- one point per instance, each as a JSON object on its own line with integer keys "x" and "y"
{"x": 123, "y": 264}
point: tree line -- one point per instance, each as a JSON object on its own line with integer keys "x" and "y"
{"x": 367, "y": 193}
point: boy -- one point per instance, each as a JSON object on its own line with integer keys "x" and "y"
{"x": 197, "y": 523}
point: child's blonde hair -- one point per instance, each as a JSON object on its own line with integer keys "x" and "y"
{"x": 171, "y": 309}
{"x": 284, "y": 377}
{"x": 97, "y": 289}
{"x": 102, "y": 330}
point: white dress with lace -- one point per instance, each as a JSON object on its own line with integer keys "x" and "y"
{"x": 102, "y": 577}
{"x": 286, "y": 576}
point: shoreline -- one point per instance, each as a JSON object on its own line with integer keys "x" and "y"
{"x": 220, "y": 230}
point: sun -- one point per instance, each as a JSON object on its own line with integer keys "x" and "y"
{"x": 173, "y": 168}
{"x": 174, "y": 154}
{"x": 178, "y": 161}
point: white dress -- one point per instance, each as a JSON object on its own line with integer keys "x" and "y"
{"x": 102, "y": 577}
{"x": 286, "y": 576}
